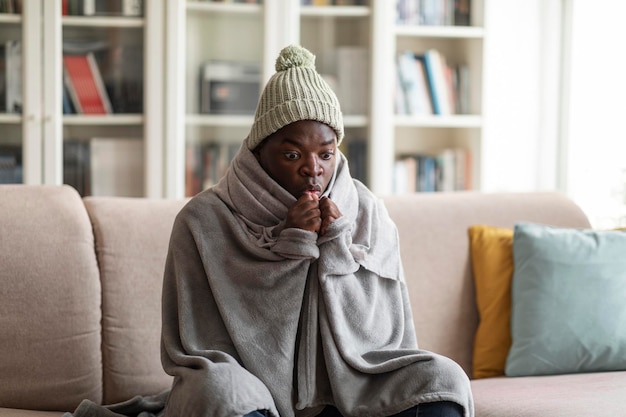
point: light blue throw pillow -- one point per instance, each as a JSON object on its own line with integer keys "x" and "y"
{"x": 568, "y": 301}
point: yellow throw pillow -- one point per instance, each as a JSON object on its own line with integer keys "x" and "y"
{"x": 492, "y": 262}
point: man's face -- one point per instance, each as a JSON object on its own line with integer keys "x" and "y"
{"x": 301, "y": 157}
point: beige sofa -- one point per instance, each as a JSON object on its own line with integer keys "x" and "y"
{"x": 81, "y": 282}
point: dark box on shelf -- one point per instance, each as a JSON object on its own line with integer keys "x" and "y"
{"x": 228, "y": 87}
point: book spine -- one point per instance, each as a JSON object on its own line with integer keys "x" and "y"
{"x": 97, "y": 77}
{"x": 85, "y": 84}
{"x": 131, "y": 7}
{"x": 89, "y": 7}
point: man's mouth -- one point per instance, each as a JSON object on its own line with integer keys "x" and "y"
{"x": 313, "y": 189}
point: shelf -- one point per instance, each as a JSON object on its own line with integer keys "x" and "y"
{"x": 224, "y": 8}
{"x": 457, "y": 32}
{"x": 219, "y": 120}
{"x": 104, "y": 120}
{"x": 349, "y": 121}
{"x": 452, "y": 121}
{"x": 7, "y": 118}
{"x": 335, "y": 11}
{"x": 10, "y": 18}
{"x": 103, "y": 21}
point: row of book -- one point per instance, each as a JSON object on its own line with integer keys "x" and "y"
{"x": 206, "y": 164}
{"x": 11, "y": 76}
{"x": 448, "y": 170}
{"x": 11, "y": 168}
{"x": 102, "y": 7}
{"x": 355, "y": 151}
{"x": 433, "y": 12}
{"x": 427, "y": 84}
{"x": 11, "y": 6}
{"x": 104, "y": 166}
{"x": 87, "y": 91}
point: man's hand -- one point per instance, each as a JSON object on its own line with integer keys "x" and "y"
{"x": 305, "y": 213}
{"x": 329, "y": 213}
{"x": 311, "y": 214}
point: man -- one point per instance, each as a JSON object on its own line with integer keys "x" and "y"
{"x": 283, "y": 290}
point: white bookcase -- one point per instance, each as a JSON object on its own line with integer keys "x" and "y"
{"x": 178, "y": 37}
{"x": 395, "y": 135}
{"x": 43, "y": 131}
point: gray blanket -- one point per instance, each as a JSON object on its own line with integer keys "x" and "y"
{"x": 139, "y": 406}
{"x": 256, "y": 316}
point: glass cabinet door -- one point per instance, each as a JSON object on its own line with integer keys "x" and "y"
{"x": 222, "y": 79}
{"x": 104, "y": 94}
{"x": 82, "y": 106}
{"x": 12, "y": 28}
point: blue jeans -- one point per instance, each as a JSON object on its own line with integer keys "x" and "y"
{"x": 436, "y": 409}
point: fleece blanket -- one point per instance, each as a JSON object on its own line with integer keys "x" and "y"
{"x": 257, "y": 316}
{"x": 139, "y": 406}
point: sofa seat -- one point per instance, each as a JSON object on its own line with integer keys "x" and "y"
{"x": 14, "y": 412}
{"x": 585, "y": 394}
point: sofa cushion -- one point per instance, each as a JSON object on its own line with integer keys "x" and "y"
{"x": 132, "y": 237}
{"x": 49, "y": 300}
{"x": 492, "y": 265}
{"x": 580, "y": 395}
{"x": 568, "y": 311}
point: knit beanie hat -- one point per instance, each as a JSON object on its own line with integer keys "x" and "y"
{"x": 295, "y": 92}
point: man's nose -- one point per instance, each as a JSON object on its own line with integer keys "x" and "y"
{"x": 311, "y": 166}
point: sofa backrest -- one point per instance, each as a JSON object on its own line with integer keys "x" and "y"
{"x": 434, "y": 244}
{"x": 131, "y": 240}
{"x": 49, "y": 300}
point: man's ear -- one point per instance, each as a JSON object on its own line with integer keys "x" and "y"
{"x": 257, "y": 151}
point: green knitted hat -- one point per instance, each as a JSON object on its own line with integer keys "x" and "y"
{"x": 295, "y": 92}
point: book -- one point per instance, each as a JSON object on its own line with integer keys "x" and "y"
{"x": 206, "y": 164}
{"x": 414, "y": 84}
{"x": 102, "y": 7}
{"x": 117, "y": 167}
{"x": 357, "y": 159}
{"x": 76, "y": 171}
{"x": 13, "y": 67}
{"x": 462, "y": 13}
{"x": 405, "y": 174}
{"x": 193, "y": 169}
{"x": 11, "y": 171}
{"x": 125, "y": 78}
{"x": 435, "y": 66}
{"x": 3, "y": 78}
{"x": 85, "y": 85}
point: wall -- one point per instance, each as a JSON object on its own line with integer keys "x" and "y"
{"x": 521, "y": 95}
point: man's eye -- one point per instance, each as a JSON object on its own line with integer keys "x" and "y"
{"x": 291, "y": 155}
{"x": 327, "y": 155}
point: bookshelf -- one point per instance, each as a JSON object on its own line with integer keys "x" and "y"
{"x": 424, "y": 134}
{"x": 128, "y": 51}
{"x": 177, "y": 39}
